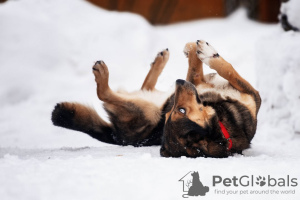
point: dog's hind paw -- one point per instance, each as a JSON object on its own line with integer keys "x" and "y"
{"x": 63, "y": 115}
{"x": 189, "y": 49}
{"x": 101, "y": 73}
{"x": 205, "y": 51}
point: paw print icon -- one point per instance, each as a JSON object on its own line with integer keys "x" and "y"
{"x": 261, "y": 181}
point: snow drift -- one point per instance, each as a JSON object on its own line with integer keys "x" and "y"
{"x": 46, "y": 54}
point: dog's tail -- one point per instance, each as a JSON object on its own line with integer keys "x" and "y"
{"x": 78, "y": 117}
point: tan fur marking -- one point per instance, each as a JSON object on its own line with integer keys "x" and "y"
{"x": 226, "y": 70}
{"x": 249, "y": 102}
{"x": 168, "y": 115}
{"x": 194, "y": 111}
{"x": 195, "y": 71}
{"x": 156, "y": 68}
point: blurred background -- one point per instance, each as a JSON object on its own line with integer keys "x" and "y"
{"x": 171, "y": 11}
{"x": 48, "y": 48}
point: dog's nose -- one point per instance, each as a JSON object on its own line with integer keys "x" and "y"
{"x": 180, "y": 82}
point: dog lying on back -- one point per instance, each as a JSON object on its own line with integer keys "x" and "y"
{"x": 213, "y": 115}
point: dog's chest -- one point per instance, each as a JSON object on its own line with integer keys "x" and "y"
{"x": 222, "y": 89}
{"x": 218, "y": 85}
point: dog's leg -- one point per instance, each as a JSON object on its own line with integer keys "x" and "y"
{"x": 156, "y": 68}
{"x": 104, "y": 92}
{"x": 133, "y": 119}
{"x": 195, "y": 71}
{"x": 207, "y": 54}
{"x": 82, "y": 118}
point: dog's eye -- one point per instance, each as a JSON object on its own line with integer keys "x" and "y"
{"x": 182, "y": 110}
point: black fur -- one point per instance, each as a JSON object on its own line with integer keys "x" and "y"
{"x": 65, "y": 117}
{"x": 183, "y": 129}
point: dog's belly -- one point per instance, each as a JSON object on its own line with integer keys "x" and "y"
{"x": 157, "y": 98}
{"x": 215, "y": 83}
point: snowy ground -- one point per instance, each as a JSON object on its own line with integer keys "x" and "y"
{"x": 47, "y": 49}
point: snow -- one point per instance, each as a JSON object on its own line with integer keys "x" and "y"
{"x": 46, "y": 54}
{"x": 279, "y": 63}
{"x": 292, "y": 9}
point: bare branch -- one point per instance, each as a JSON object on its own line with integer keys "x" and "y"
{"x": 189, "y": 183}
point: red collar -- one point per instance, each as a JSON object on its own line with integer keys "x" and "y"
{"x": 226, "y": 135}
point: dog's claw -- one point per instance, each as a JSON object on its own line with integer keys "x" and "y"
{"x": 167, "y": 49}
{"x": 95, "y": 69}
{"x": 99, "y": 62}
{"x": 162, "y": 53}
{"x": 216, "y": 55}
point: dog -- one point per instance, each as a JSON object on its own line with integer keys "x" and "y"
{"x": 197, "y": 187}
{"x": 213, "y": 115}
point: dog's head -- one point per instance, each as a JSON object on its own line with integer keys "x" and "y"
{"x": 195, "y": 175}
{"x": 189, "y": 126}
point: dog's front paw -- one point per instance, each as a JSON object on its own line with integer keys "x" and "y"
{"x": 205, "y": 51}
{"x": 161, "y": 58}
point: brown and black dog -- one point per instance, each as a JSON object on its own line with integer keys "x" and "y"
{"x": 211, "y": 116}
